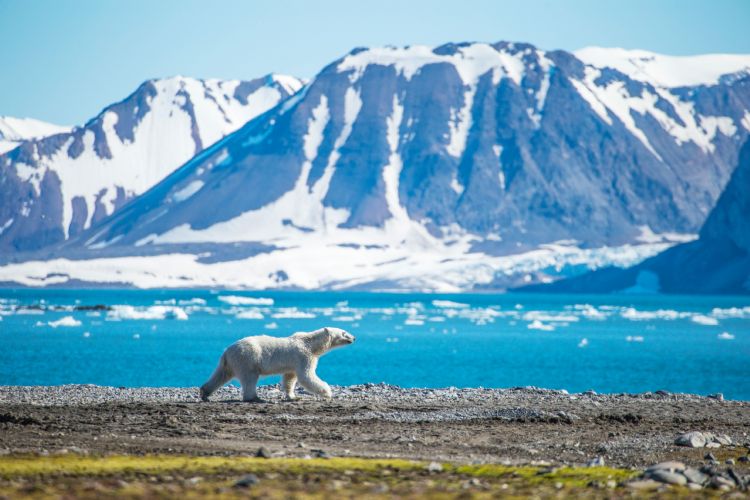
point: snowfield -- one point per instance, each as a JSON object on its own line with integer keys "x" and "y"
{"x": 324, "y": 266}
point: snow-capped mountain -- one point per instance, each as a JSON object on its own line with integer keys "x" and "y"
{"x": 13, "y": 131}
{"x": 717, "y": 262}
{"x": 57, "y": 186}
{"x": 450, "y": 168}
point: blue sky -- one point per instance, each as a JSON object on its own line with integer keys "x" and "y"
{"x": 64, "y": 60}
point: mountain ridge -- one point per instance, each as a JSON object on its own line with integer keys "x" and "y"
{"x": 456, "y": 167}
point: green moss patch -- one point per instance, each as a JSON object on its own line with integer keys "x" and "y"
{"x": 130, "y": 476}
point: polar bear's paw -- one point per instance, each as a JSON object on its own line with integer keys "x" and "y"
{"x": 256, "y": 399}
{"x": 204, "y": 394}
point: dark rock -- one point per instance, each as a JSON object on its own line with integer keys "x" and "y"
{"x": 733, "y": 475}
{"x": 247, "y": 481}
{"x": 263, "y": 452}
{"x": 710, "y": 470}
{"x": 709, "y": 456}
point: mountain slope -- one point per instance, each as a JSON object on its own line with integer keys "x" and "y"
{"x": 718, "y": 262}
{"x": 452, "y": 168}
{"x": 55, "y": 187}
{"x": 13, "y": 131}
{"x": 513, "y": 144}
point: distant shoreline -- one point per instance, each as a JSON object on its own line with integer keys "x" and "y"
{"x": 84, "y": 394}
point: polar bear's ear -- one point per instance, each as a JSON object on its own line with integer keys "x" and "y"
{"x": 326, "y": 330}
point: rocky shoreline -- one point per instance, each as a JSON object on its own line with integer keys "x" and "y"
{"x": 678, "y": 439}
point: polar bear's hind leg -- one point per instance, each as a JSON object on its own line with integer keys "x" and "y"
{"x": 221, "y": 376}
{"x": 289, "y": 382}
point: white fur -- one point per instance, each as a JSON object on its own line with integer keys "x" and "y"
{"x": 295, "y": 357}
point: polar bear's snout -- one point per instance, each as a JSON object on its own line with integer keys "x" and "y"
{"x": 348, "y": 338}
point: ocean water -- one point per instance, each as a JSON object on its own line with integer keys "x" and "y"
{"x": 605, "y": 343}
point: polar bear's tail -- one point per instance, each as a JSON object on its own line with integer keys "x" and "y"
{"x": 221, "y": 376}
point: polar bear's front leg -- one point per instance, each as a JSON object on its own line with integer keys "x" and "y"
{"x": 310, "y": 381}
{"x": 290, "y": 380}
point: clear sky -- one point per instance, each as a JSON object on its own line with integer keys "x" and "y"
{"x": 64, "y": 60}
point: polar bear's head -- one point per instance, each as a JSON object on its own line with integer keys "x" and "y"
{"x": 339, "y": 337}
{"x": 325, "y": 339}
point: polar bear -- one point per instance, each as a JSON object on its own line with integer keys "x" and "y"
{"x": 296, "y": 357}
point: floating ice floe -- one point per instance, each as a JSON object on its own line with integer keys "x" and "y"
{"x": 271, "y": 326}
{"x": 538, "y": 325}
{"x": 28, "y": 312}
{"x": 590, "y": 312}
{"x": 249, "y": 314}
{"x": 702, "y": 319}
{"x": 66, "y": 321}
{"x": 414, "y": 322}
{"x": 634, "y": 338}
{"x": 292, "y": 313}
{"x": 583, "y": 343}
{"x": 549, "y": 317}
{"x": 120, "y": 312}
{"x": 665, "y": 314}
{"x": 725, "y": 336}
{"x": 192, "y": 302}
{"x": 346, "y": 319}
{"x": 236, "y": 300}
{"x": 731, "y": 312}
{"x": 449, "y": 304}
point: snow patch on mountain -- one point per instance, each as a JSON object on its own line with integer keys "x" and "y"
{"x": 290, "y": 84}
{"x": 13, "y": 131}
{"x": 617, "y": 98}
{"x": 471, "y": 61}
{"x": 663, "y": 70}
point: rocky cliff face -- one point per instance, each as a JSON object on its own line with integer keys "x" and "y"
{"x": 718, "y": 262}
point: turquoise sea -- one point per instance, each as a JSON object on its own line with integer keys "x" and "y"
{"x": 606, "y": 343}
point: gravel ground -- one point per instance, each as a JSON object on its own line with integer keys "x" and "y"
{"x": 523, "y": 425}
